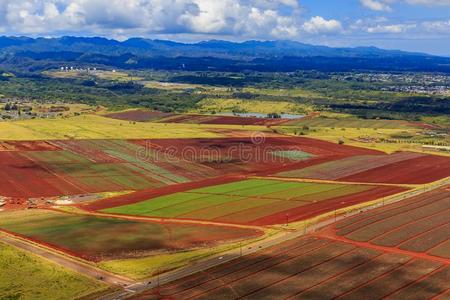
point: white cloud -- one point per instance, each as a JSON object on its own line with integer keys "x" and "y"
{"x": 376, "y": 5}
{"x": 395, "y": 28}
{"x": 385, "y": 5}
{"x": 437, "y": 26}
{"x": 319, "y": 25}
{"x": 428, "y": 2}
{"x": 244, "y": 18}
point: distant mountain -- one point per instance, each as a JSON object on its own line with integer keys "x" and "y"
{"x": 213, "y": 48}
{"x": 44, "y": 53}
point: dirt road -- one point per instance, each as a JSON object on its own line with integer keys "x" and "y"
{"x": 65, "y": 261}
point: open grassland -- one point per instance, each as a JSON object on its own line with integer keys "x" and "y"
{"x": 313, "y": 268}
{"x": 159, "y": 117}
{"x": 211, "y": 105}
{"x": 351, "y": 123}
{"x": 116, "y": 76}
{"x": 98, "y": 127}
{"x": 175, "y": 86}
{"x": 25, "y": 276}
{"x": 293, "y": 92}
{"x": 255, "y": 201}
{"x": 400, "y": 168}
{"x": 145, "y": 267}
{"x": 371, "y": 138}
{"x": 419, "y": 224}
{"x": 98, "y": 238}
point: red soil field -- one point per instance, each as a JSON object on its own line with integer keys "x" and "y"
{"x": 246, "y": 154}
{"x": 156, "y": 116}
{"x": 98, "y": 238}
{"x": 27, "y": 146}
{"x": 311, "y": 268}
{"x": 418, "y": 170}
{"x": 23, "y": 178}
{"x": 153, "y": 193}
{"x": 318, "y": 208}
{"x": 420, "y": 224}
{"x": 25, "y": 175}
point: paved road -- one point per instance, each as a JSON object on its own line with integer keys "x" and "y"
{"x": 260, "y": 245}
{"x": 63, "y": 260}
{"x": 131, "y": 287}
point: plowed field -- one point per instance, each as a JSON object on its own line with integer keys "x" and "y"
{"x": 258, "y": 202}
{"x": 313, "y": 268}
{"x": 96, "y": 238}
{"x": 420, "y": 224}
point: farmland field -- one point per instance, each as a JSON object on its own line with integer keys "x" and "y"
{"x": 73, "y": 167}
{"x": 80, "y": 127}
{"x": 313, "y": 268}
{"x": 255, "y": 201}
{"x": 352, "y": 123}
{"x": 97, "y": 238}
{"x": 25, "y": 276}
{"x": 152, "y": 116}
{"x": 211, "y": 105}
{"x": 419, "y": 224}
{"x": 402, "y": 167}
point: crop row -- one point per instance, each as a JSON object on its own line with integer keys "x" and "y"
{"x": 97, "y": 238}
{"x": 252, "y": 201}
{"x": 420, "y": 224}
{"x": 405, "y": 167}
{"x": 312, "y": 268}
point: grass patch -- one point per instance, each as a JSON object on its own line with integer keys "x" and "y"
{"x": 98, "y": 127}
{"x": 253, "y": 106}
{"x": 25, "y": 276}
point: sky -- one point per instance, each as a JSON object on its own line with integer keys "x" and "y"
{"x": 412, "y": 25}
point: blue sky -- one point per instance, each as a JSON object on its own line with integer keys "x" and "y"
{"x": 413, "y": 25}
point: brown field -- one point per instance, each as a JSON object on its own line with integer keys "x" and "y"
{"x": 313, "y": 268}
{"x": 420, "y": 224}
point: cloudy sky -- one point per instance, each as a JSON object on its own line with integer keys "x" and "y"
{"x": 414, "y": 25}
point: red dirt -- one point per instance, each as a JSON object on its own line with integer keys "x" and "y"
{"x": 417, "y": 225}
{"x": 318, "y": 208}
{"x": 389, "y": 210}
{"x": 312, "y": 269}
{"x": 144, "y": 116}
{"x": 153, "y": 193}
{"x": 418, "y": 170}
{"x": 27, "y": 146}
{"x": 246, "y": 154}
{"x": 23, "y": 178}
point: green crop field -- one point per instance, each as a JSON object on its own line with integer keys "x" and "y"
{"x": 239, "y": 202}
{"x": 97, "y": 238}
{"x": 25, "y": 276}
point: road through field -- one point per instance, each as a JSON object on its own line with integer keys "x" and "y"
{"x": 254, "y": 247}
{"x": 65, "y": 261}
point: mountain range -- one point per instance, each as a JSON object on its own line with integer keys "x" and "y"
{"x": 42, "y": 53}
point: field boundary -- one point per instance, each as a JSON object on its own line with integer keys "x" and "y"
{"x": 306, "y": 180}
{"x": 72, "y": 263}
